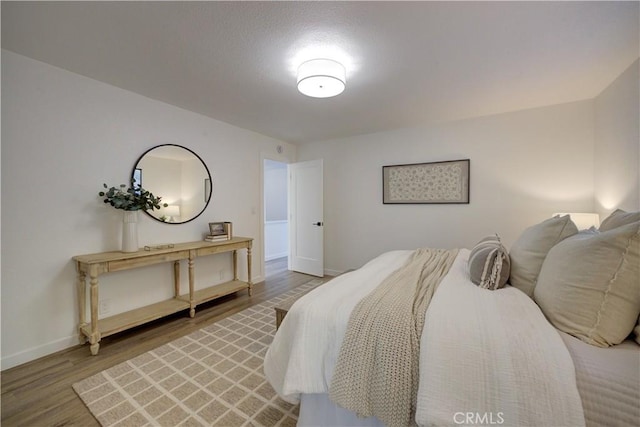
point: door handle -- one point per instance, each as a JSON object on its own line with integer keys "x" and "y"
{"x": 319, "y": 224}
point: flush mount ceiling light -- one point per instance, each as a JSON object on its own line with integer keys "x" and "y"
{"x": 321, "y": 78}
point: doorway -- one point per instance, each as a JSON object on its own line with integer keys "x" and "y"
{"x": 276, "y": 217}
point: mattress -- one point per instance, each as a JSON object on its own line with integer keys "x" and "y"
{"x": 608, "y": 381}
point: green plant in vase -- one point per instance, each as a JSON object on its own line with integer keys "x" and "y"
{"x": 131, "y": 199}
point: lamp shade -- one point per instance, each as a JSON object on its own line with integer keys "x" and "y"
{"x": 321, "y": 78}
{"x": 582, "y": 220}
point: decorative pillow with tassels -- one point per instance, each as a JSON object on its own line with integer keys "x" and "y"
{"x": 489, "y": 263}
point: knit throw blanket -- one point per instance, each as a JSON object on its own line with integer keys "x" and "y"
{"x": 377, "y": 370}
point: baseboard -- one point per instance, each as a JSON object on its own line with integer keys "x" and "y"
{"x": 37, "y": 352}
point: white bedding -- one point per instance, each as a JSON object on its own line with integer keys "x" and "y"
{"x": 304, "y": 351}
{"x": 494, "y": 355}
{"x": 608, "y": 381}
{"x": 527, "y": 378}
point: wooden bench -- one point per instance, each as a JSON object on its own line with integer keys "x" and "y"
{"x": 283, "y": 308}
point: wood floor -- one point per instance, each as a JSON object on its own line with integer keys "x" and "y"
{"x": 39, "y": 393}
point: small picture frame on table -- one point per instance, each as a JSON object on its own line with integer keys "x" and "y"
{"x": 217, "y": 229}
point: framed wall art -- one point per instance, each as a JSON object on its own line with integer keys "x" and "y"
{"x": 436, "y": 182}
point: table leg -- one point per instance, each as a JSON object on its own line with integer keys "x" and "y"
{"x": 192, "y": 279}
{"x": 94, "y": 339}
{"x": 235, "y": 265}
{"x": 249, "y": 269}
{"x": 81, "y": 287}
{"x": 176, "y": 279}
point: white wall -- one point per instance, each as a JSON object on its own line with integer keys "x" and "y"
{"x": 63, "y": 135}
{"x": 524, "y": 166}
{"x": 617, "y": 148}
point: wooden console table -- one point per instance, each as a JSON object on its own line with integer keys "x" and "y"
{"x": 105, "y": 262}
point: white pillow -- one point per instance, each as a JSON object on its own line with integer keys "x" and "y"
{"x": 619, "y": 218}
{"x": 589, "y": 285}
{"x": 529, "y": 251}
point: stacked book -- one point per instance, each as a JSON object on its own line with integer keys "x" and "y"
{"x": 219, "y": 231}
{"x": 216, "y": 237}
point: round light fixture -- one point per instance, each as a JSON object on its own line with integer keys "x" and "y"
{"x": 321, "y": 78}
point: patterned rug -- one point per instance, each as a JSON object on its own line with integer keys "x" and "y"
{"x": 211, "y": 377}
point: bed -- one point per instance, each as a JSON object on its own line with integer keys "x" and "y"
{"x": 485, "y": 357}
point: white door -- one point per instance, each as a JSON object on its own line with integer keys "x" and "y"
{"x": 307, "y": 223}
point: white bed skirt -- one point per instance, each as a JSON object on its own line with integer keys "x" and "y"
{"x": 318, "y": 411}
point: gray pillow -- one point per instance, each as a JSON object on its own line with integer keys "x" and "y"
{"x": 529, "y": 251}
{"x": 619, "y": 218}
{"x": 588, "y": 285}
{"x": 489, "y": 263}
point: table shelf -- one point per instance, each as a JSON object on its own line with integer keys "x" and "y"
{"x": 129, "y": 319}
{"x": 91, "y": 266}
{"x": 216, "y": 291}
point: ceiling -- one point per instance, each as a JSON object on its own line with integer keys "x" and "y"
{"x": 408, "y": 63}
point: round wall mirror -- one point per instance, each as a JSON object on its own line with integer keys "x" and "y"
{"x": 179, "y": 176}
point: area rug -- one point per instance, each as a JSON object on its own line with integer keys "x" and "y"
{"x": 211, "y": 377}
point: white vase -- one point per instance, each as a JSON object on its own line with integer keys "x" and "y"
{"x": 130, "y": 231}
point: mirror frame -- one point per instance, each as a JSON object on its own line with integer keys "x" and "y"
{"x": 135, "y": 166}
